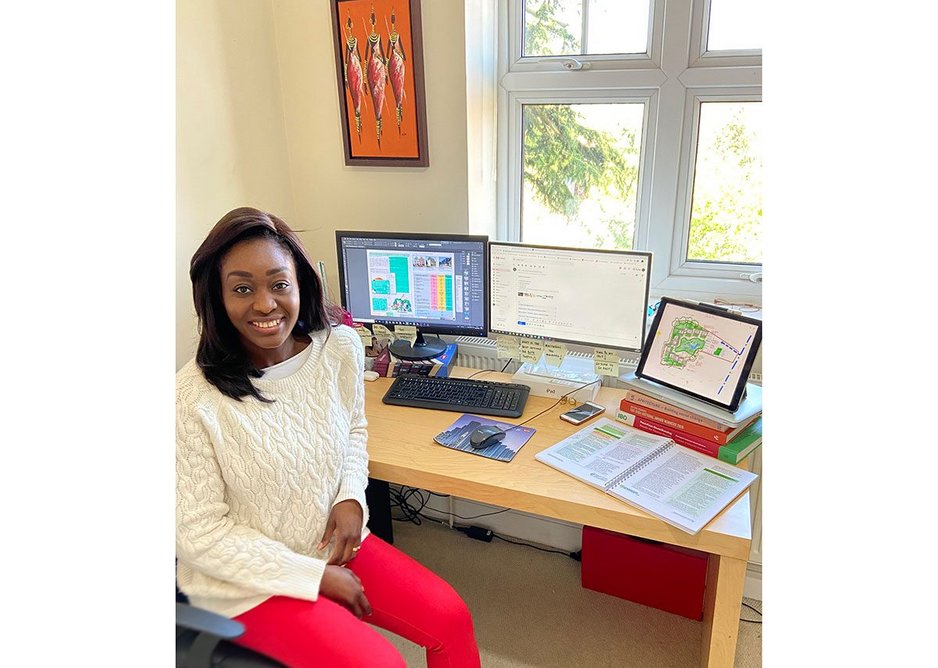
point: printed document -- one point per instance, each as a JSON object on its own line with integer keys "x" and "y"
{"x": 680, "y": 486}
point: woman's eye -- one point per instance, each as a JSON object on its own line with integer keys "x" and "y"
{"x": 242, "y": 289}
{"x": 281, "y": 285}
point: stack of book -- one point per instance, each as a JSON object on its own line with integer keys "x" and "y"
{"x": 388, "y": 365}
{"x": 690, "y": 429}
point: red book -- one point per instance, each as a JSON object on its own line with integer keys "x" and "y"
{"x": 679, "y": 437}
{"x": 720, "y": 436}
{"x": 636, "y": 397}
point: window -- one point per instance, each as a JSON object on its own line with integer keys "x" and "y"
{"x": 635, "y": 124}
{"x": 579, "y": 171}
{"x": 734, "y": 24}
{"x": 726, "y": 209}
{"x": 573, "y": 27}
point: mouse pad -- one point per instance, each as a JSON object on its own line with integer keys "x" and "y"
{"x": 456, "y": 436}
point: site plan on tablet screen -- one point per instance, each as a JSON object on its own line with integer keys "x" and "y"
{"x": 702, "y": 350}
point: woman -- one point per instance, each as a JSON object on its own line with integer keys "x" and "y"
{"x": 271, "y": 469}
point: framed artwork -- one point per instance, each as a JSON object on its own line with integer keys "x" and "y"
{"x": 379, "y": 63}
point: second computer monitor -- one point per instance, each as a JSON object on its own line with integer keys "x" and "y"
{"x": 587, "y": 296}
{"x": 436, "y": 282}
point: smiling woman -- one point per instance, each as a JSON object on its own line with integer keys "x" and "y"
{"x": 262, "y": 299}
{"x": 272, "y": 465}
{"x": 229, "y": 273}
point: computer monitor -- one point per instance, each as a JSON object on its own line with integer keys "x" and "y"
{"x": 436, "y": 282}
{"x": 592, "y": 297}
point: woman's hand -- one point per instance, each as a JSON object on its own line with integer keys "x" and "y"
{"x": 343, "y": 586}
{"x": 345, "y": 521}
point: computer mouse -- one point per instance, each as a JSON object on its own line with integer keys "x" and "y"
{"x": 485, "y": 436}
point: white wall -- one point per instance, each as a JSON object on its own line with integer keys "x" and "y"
{"x": 230, "y": 142}
{"x": 330, "y": 195}
{"x": 258, "y": 124}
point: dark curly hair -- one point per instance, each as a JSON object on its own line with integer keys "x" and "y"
{"x": 220, "y": 354}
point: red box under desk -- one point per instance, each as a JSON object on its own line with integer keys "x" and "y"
{"x": 662, "y": 576}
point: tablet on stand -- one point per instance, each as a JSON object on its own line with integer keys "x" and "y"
{"x": 698, "y": 356}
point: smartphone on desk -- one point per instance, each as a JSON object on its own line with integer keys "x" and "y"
{"x": 583, "y": 412}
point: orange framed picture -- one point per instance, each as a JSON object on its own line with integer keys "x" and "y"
{"x": 379, "y": 65}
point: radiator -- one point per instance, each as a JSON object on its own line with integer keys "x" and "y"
{"x": 479, "y": 353}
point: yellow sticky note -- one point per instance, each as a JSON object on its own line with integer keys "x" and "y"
{"x": 531, "y": 350}
{"x": 554, "y": 353}
{"x": 381, "y": 332}
{"x": 507, "y": 347}
{"x": 406, "y": 333}
{"x": 605, "y": 362}
{"x": 364, "y": 335}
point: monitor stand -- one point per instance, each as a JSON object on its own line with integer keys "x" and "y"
{"x": 423, "y": 348}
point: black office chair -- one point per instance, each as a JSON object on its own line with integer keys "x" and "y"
{"x": 202, "y": 637}
{"x": 202, "y": 641}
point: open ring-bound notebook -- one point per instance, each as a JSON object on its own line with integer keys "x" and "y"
{"x": 680, "y": 486}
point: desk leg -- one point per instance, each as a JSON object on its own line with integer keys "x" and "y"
{"x": 722, "y": 599}
{"x": 378, "y": 497}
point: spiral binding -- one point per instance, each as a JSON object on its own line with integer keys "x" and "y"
{"x": 639, "y": 465}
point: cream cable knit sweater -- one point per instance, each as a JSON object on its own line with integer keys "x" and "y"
{"x": 255, "y": 482}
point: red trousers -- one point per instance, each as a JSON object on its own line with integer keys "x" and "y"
{"x": 406, "y": 598}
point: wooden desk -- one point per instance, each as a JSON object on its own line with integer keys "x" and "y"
{"x": 401, "y": 451}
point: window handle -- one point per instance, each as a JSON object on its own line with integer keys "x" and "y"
{"x": 572, "y": 64}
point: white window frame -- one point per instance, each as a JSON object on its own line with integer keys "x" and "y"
{"x": 672, "y": 79}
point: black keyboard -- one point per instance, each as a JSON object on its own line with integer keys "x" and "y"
{"x": 458, "y": 394}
